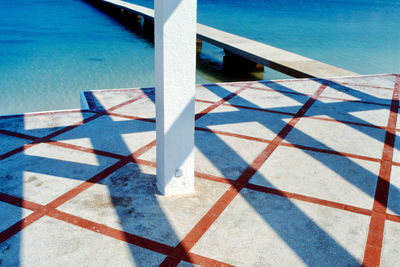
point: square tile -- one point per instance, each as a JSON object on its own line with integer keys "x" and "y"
{"x": 10, "y": 214}
{"x": 112, "y": 134}
{"x": 53, "y": 242}
{"x": 44, "y": 172}
{"x": 330, "y": 177}
{"x": 128, "y": 200}
{"x": 9, "y": 143}
{"x": 220, "y": 155}
{"x": 350, "y": 111}
{"x": 394, "y": 192}
{"x": 270, "y": 100}
{"x": 340, "y": 137}
{"x": 391, "y": 245}
{"x": 100, "y": 100}
{"x": 259, "y": 229}
{"x": 244, "y": 121}
{"x": 40, "y": 125}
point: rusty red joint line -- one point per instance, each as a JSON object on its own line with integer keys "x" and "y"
{"x": 52, "y": 206}
{"x": 100, "y": 229}
{"x": 60, "y": 131}
{"x": 373, "y": 247}
{"x": 220, "y": 102}
{"x": 19, "y": 226}
{"x": 189, "y": 241}
{"x": 27, "y": 221}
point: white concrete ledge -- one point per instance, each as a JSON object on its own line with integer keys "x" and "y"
{"x": 275, "y": 58}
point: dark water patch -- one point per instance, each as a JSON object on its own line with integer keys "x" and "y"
{"x": 13, "y": 42}
{"x": 96, "y": 59}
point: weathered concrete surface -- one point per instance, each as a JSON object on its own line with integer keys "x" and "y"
{"x": 250, "y": 50}
{"x": 69, "y": 195}
{"x": 273, "y": 231}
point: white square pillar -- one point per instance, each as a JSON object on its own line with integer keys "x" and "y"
{"x": 175, "y": 72}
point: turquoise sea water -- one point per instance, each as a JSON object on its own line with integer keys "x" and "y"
{"x": 50, "y": 50}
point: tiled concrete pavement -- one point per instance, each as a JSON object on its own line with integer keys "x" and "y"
{"x": 288, "y": 173}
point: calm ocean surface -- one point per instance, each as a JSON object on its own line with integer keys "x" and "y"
{"x": 50, "y": 50}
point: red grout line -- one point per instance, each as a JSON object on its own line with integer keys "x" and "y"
{"x": 100, "y": 176}
{"x": 323, "y": 97}
{"x": 188, "y": 242}
{"x": 320, "y": 150}
{"x": 15, "y": 151}
{"x": 205, "y": 101}
{"x": 396, "y": 163}
{"x": 241, "y": 136}
{"x": 373, "y": 247}
{"x": 111, "y": 232}
{"x": 346, "y": 122}
{"x": 19, "y": 135}
{"x": 85, "y": 149}
{"x": 19, "y": 202}
{"x": 367, "y": 85}
{"x": 309, "y": 199}
{"x": 292, "y": 114}
{"x": 45, "y": 138}
{"x": 19, "y": 226}
{"x": 131, "y": 117}
{"x": 128, "y": 237}
{"x": 204, "y": 261}
{"x": 127, "y": 102}
{"x": 69, "y": 128}
{"x": 99, "y": 228}
{"x": 42, "y": 113}
{"x": 393, "y": 218}
{"x": 117, "y": 156}
{"x": 219, "y": 103}
{"x": 60, "y": 131}
{"x": 289, "y": 195}
{"x": 14, "y": 229}
{"x": 332, "y": 152}
{"x": 206, "y": 176}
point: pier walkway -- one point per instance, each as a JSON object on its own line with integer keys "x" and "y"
{"x": 288, "y": 173}
{"x": 243, "y": 48}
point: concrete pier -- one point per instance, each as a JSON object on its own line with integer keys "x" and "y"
{"x": 242, "y": 48}
{"x": 78, "y": 187}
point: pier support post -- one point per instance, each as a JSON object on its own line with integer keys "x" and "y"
{"x": 199, "y": 45}
{"x": 175, "y": 69}
{"x": 148, "y": 28}
{"x": 237, "y": 64}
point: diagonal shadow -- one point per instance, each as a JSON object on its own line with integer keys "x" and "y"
{"x": 126, "y": 192}
{"x": 367, "y": 185}
{"x": 313, "y": 232}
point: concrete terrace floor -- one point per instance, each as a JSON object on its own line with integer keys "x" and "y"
{"x": 286, "y": 175}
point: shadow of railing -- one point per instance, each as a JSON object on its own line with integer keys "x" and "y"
{"x": 131, "y": 186}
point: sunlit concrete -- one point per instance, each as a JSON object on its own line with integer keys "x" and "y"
{"x": 87, "y": 194}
